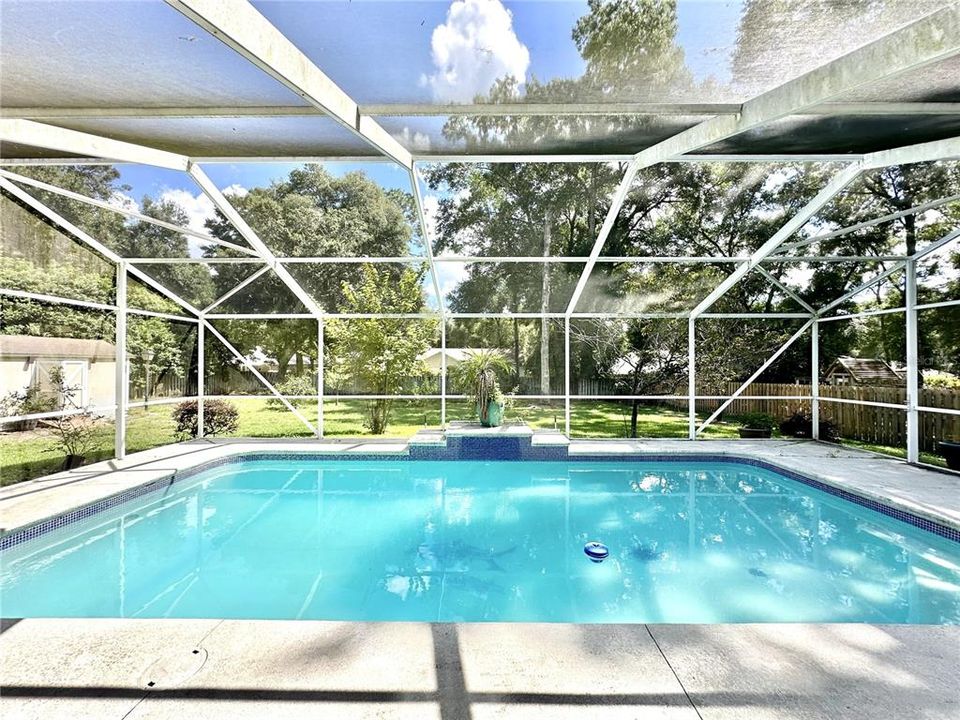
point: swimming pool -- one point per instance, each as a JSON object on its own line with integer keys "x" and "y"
{"x": 692, "y": 541}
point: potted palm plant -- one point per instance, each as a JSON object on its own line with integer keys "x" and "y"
{"x": 477, "y": 376}
{"x": 756, "y": 425}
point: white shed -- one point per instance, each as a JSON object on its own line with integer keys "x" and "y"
{"x": 26, "y": 361}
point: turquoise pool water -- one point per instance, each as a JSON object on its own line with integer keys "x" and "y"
{"x": 487, "y": 541}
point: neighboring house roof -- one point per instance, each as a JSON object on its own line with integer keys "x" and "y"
{"x": 627, "y": 364}
{"x": 456, "y": 354}
{"x": 28, "y": 346}
{"x": 258, "y": 358}
{"x": 866, "y": 371}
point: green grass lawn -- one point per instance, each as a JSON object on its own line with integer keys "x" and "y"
{"x": 925, "y": 457}
{"x": 26, "y": 455}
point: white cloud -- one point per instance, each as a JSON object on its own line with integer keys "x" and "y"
{"x": 122, "y": 201}
{"x": 413, "y": 140}
{"x": 235, "y": 189}
{"x": 199, "y": 208}
{"x": 473, "y": 48}
{"x": 431, "y": 206}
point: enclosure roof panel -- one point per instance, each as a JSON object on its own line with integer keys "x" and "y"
{"x": 145, "y": 73}
{"x": 802, "y": 134}
{"x": 119, "y": 54}
{"x": 389, "y": 52}
{"x": 315, "y": 135}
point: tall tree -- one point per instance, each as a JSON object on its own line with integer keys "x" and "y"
{"x": 382, "y": 353}
{"x": 506, "y": 209}
{"x": 311, "y": 213}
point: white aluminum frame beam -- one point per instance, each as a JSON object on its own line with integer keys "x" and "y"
{"x": 427, "y": 243}
{"x": 240, "y": 26}
{"x": 321, "y": 360}
{"x": 57, "y": 300}
{"x": 913, "y": 370}
{"x": 237, "y": 288}
{"x": 930, "y": 39}
{"x": 866, "y": 285}
{"x": 790, "y": 293}
{"x": 946, "y": 149}
{"x": 120, "y": 365}
{"x": 28, "y": 132}
{"x": 769, "y": 361}
{"x": 234, "y": 218}
{"x": 815, "y": 379}
{"x": 869, "y": 223}
{"x": 96, "y": 245}
{"x": 471, "y": 159}
{"x": 515, "y": 259}
{"x": 934, "y": 246}
{"x": 253, "y": 369}
{"x": 839, "y": 181}
{"x": 24, "y": 180}
{"x": 570, "y": 109}
{"x": 691, "y": 378}
{"x": 201, "y": 378}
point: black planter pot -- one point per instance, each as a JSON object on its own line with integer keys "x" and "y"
{"x": 755, "y": 433}
{"x": 72, "y": 462}
{"x": 951, "y": 452}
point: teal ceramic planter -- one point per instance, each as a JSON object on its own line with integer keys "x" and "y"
{"x": 494, "y": 415}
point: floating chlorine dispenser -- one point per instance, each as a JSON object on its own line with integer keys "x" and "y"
{"x": 596, "y": 551}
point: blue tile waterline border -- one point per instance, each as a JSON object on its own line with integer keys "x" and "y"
{"x": 21, "y": 535}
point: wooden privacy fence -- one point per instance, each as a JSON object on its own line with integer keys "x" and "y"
{"x": 868, "y": 423}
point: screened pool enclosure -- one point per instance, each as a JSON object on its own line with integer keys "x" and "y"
{"x": 663, "y": 216}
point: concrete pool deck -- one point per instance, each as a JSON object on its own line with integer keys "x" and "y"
{"x": 236, "y": 669}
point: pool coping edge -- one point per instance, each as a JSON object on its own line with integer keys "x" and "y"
{"x": 915, "y": 514}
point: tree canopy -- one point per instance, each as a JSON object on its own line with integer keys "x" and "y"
{"x": 311, "y": 213}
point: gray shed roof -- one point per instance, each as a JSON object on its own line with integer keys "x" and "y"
{"x": 866, "y": 370}
{"x": 28, "y": 346}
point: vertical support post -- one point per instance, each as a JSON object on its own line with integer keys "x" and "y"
{"x": 692, "y": 378}
{"x": 566, "y": 369}
{"x": 201, "y": 375}
{"x": 815, "y": 379}
{"x": 913, "y": 372}
{"x": 120, "y": 365}
{"x": 320, "y": 360}
{"x": 443, "y": 372}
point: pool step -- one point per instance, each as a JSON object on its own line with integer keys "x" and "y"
{"x": 470, "y": 441}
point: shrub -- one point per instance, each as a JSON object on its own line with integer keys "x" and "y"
{"x": 757, "y": 421}
{"x": 75, "y": 434}
{"x": 27, "y": 402}
{"x": 294, "y": 385}
{"x": 800, "y": 425}
{"x": 219, "y": 417}
{"x": 935, "y": 379}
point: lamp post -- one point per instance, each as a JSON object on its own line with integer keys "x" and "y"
{"x": 147, "y": 356}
